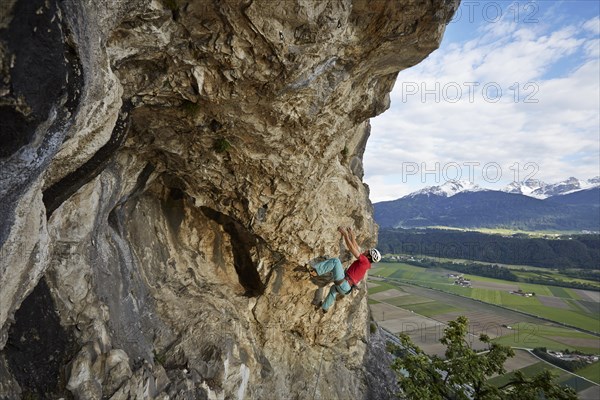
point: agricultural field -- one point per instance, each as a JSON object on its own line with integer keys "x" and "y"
{"x": 401, "y": 310}
{"x": 524, "y": 331}
{"x": 528, "y": 273}
{"x": 530, "y": 335}
{"x": 423, "y": 313}
{"x": 522, "y": 271}
{"x": 574, "y": 307}
{"x": 522, "y": 359}
{"x": 565, "y": 378}
{"x": 515, "y": 267}
{"x": 591, "y": 372}
{"x": 548, "y": 234}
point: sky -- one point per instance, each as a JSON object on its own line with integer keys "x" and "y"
{"x": 512, "y": 93}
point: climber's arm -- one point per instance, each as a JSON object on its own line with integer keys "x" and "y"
{"x": 350, "y": 241}
{"x": 353, "y": 239}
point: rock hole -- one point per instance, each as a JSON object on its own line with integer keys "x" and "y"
{"x": 215, "y": 125}
{"x": 261, "y": 214}
{"x": 242, "y": 242}
{"x": 174, "y": 208}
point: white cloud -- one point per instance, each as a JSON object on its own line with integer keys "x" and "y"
{"x": 593, "y": 25}
{"x": 559, "y": 132}
{"x": 383, "y": 190}
{"x": 592, "y": 49}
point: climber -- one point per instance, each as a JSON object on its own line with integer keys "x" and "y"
{"x": 345, "y": 281}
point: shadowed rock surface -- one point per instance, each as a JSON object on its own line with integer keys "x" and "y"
{"x": 166, "y": 167}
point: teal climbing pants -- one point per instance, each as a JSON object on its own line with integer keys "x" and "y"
{"x": 333, "y": 265}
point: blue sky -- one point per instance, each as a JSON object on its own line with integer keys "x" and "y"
{"x": 512, "y": 92}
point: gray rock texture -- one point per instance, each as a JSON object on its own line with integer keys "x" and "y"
{"x": 167, "y": 168}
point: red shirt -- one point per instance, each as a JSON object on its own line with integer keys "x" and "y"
{"x": 357, "y": 270}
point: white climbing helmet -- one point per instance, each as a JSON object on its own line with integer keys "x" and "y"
{"x": 375, "y": 255}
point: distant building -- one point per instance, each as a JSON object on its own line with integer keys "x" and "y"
{"x": 460, "y": 281}
{"x": 573, "y": 357}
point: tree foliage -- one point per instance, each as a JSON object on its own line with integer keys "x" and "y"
{"x": 464, "y": 373}
{"x": 572, "y": 251}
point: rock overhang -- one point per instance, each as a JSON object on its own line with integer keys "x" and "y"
{"x": 213, "y": 148}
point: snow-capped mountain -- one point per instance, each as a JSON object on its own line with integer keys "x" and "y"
{"x": 531, "y": 188}
{"x": 594, "y": 181}
{"x": 540, "y": 190}
{"x": 569, "y": 205}
{"x": 526, "y": 188}
{"x": 448, "y": 189}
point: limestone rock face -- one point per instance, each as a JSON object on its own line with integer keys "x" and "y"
{"x": 167, "y": 167}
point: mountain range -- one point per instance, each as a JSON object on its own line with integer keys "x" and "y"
{"x": 531, "y": 187}
{"x": 540, "y": 190}
{"x": 572, "y": 204}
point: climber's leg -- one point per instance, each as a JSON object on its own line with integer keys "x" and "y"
{"x": 332, "y": 264}
{"x": 330, "y": 299}
{"x": 318, "y": 296}
{"x": 344, "y": 288}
